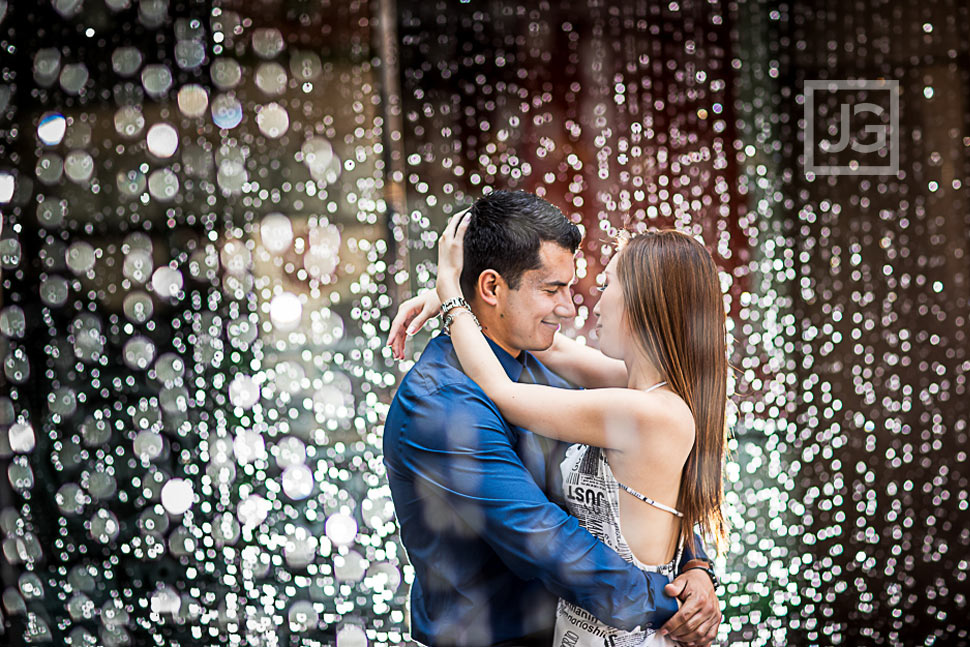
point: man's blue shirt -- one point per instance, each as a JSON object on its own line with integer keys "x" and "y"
{"x": 490, "y": 551}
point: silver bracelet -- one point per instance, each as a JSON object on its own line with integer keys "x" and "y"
{"x": 454, "y": 302}
{"x": 450, "y": 317}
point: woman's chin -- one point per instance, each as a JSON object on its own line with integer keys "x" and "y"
{"x": 607, "y": 348}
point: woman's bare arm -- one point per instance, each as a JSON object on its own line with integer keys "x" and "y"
{"x": 613, "y": 418}
{"x": 582, "y": 365}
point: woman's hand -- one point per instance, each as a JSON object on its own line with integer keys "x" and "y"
{"x": 416, "y": 311}
{"x": 451, "y": 253}
{"x": 410, "y": 318}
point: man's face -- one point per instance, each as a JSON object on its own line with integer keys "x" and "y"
{"x": 531, "y": 314}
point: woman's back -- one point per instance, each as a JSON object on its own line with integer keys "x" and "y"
{"x": 653, "y": 470}
{"x": 593, "y": 496}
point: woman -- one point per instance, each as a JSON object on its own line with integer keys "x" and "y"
{"x": 647, "y": 466}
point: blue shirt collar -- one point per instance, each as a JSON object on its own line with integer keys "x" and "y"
{"x": 513, "y": 365}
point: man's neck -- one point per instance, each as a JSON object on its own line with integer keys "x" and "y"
{"x": 514, "y": 352}
{"x": 490, "y": 329}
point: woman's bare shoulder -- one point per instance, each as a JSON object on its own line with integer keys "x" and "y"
{"x": 666, "y": 420}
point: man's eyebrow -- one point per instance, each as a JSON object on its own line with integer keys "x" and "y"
{"x": 557, "y": 283}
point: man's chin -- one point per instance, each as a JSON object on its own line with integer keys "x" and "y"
{"x": 542, "y": 341}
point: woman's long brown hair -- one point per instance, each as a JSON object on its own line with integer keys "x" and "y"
{"x": 675, "y": 311}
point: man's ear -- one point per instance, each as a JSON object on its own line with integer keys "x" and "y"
{"x": 490, "y": 284}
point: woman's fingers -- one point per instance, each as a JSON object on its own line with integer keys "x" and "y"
{"x": 404, "y": 322}
{"x": 411, "y": 317}
{"x": 404, "y": 315}
{"x": 397, "y": 326}
{"x": 446, "y": 234}
{"x": 464, "y": 220}
{"x": 426, "y": 313}
{"x": 397, "y": 343}
{"x": 455, "y": 230}
{"x": 450, "y": 244}
{"x": 453, "y": 245}
{"x": 457, "y": 220}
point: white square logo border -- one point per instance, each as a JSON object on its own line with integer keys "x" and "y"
{"x": 813, "y": 85}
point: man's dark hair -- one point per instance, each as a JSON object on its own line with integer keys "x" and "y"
{"x": 507, "y": 229}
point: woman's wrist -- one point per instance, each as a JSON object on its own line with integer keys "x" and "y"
{"x": 448, "y": 289}
{"x": 453, "y": 312}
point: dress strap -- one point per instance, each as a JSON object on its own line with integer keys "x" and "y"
{"x": 655, "y": 386}
{"x": 646, "y": 499}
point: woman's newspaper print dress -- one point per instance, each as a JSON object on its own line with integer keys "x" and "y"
{"x": 592, "y": 497}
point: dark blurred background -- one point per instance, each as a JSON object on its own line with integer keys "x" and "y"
{"x": 210, "y": 211}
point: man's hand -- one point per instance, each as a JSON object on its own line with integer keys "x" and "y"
{"x": 695, "y": 623}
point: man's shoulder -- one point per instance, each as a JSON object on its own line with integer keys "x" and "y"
{"x": 437, "y": 373}
{"x": 436, "y": 395}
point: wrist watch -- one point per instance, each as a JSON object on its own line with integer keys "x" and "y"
{"x": 704, "y": 565}
{"x": 454, "y": 302}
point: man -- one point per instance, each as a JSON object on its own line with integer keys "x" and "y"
{"x": 479, "y": 502}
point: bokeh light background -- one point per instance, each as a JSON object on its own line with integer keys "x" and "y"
{"x": 210, "y": 210}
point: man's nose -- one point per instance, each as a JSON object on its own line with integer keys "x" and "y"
{"x": 566, "y": 309}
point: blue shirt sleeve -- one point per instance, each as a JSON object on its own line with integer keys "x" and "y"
{"x": 460, "y": 451}
{"x": 689, "y": 554}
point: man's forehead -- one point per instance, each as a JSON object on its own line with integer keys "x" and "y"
{"x": 560, "y": 273}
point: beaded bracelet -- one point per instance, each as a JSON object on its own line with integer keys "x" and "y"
{"x": 450, "y": 317}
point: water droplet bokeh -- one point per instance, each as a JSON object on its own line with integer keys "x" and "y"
{"x": 208, "y": 212}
